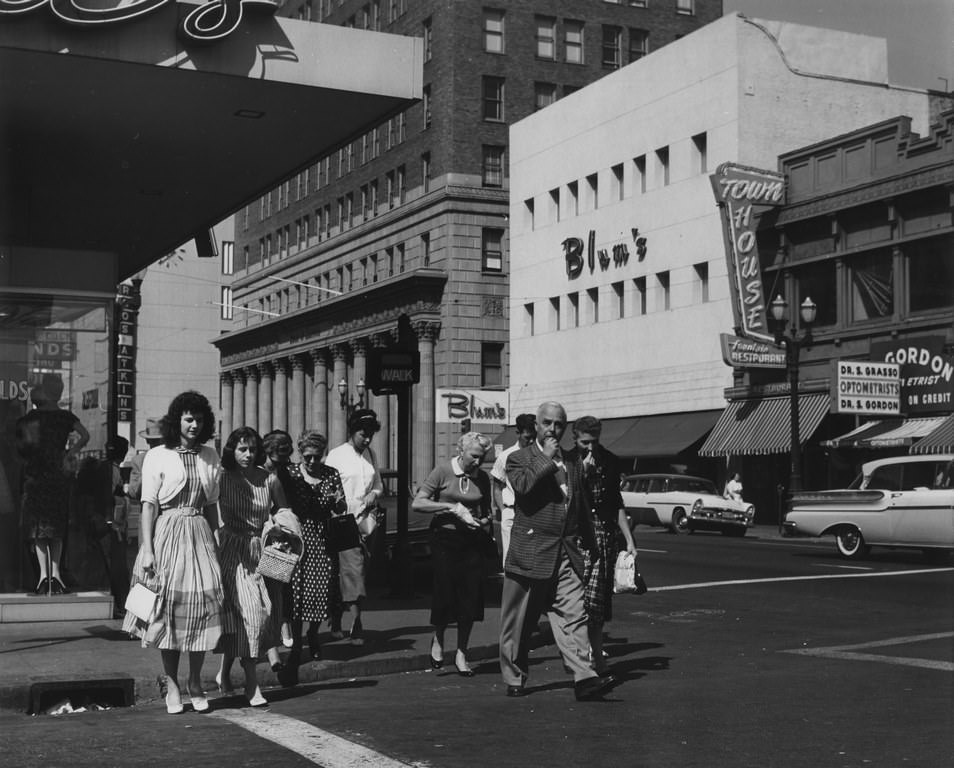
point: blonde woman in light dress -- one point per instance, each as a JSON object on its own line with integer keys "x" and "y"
{"x": 180, "y": 489}
{"x": 248, "y": 499}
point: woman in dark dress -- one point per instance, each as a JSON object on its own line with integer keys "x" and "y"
{"x": 316, "y": 494}
{"x": 43, "y": 443}
{"x": 458, "y": 493}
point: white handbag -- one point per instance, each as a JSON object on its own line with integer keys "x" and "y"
{"x": 626, "y": 577}
{"x": 141, "y": 601}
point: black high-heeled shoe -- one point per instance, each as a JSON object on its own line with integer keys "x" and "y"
{"x": 463, "y": 671}
{"x": 437, "y": 663}
{"x": 59, "y": 588}
{"x": 42, "y": 587}
{"x": 313, "y": 647}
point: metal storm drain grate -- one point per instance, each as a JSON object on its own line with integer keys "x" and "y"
{"x": 59, "y": 697}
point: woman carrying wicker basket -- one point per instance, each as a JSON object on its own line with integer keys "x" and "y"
{"x": 248, "y": 497}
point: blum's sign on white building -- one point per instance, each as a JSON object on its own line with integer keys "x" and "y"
{"x": 743, "y": 194}
{"x": 483, "y": 406}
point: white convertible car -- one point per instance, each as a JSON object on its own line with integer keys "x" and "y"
{"x": 905, "y": 501}
{"x": 683, "y": 503}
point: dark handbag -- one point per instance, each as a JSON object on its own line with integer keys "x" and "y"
{"x": 343, "y": 533}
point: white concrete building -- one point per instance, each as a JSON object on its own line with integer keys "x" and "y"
{"x": 636, "y": 333}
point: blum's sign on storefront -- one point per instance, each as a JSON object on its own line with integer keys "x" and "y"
{"x": 743, "y": 194}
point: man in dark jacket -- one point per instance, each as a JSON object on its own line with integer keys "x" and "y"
{"x": 544, "y": 568}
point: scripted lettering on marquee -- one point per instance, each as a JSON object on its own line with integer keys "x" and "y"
{"x": 207, "y": 23}
{"x": 739, "y": 190}
{"x": 617, "y": 255}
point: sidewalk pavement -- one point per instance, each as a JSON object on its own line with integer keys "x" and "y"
{"x": 397, "y": 639}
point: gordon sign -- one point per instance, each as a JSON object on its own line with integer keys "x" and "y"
{"x": 743, "y": 193}
{"x": 927, "y": 373}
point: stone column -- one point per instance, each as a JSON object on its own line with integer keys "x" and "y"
{"x": 238, "y": 398}
{"x": 423, "y": 459}
{"x": 251, "y": 397}
{"x": 309, "y": 394}
{"x": 226, "y": 389}
{"x": 337, "y": 418}
{"x": 319, "y": 395}
{"x": 359, "y": 369}
{"x": 266, "y": 391}
{"x": 380, "y": 405}
{"x": 296, "y": 402}
{"x": 280, "y": 410}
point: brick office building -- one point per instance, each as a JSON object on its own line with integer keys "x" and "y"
{"x": 411, "y": 218}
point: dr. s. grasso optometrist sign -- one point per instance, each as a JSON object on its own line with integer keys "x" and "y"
{"x": 205, "y": 23}
{"x": 743, "y": 194}
{"x": 481, "y": 406}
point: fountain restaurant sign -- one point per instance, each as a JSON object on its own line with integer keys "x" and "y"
{"x": 206, "y": 23}
{"x": 749, "y": 353}
{"x": 743, "y": 195}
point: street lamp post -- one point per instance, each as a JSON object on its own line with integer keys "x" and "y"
{"x": 793, "y": 345}
{"x": 349, "y": 404}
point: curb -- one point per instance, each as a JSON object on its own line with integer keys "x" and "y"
{"x": 20, "y": 697}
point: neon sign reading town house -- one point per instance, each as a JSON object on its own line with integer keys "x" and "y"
{"x": 206, "y": 23}
{"x": 739, "y": 190}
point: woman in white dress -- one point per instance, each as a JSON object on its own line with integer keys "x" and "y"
{"x": 177, "y": 553}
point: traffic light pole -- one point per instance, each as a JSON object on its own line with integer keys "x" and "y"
{"x": 402, "y": 584}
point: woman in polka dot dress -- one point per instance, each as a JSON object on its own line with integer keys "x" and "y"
{"x": 316, "y": 494}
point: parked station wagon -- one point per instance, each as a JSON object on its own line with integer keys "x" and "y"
{"x": 905, "y": 501}
{"x": 683, "y": 503}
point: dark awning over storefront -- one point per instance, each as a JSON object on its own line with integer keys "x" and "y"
{"x": 665, "y": 434}
{"x": 763, "y": 426}
{"x": 887, "y": 433}
{"x": 941, "y": 440}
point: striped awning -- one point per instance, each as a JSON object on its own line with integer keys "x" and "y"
{"x": 763, "y": 426}
{"x": 941, "y": 440}
{"x": 887, "y": 433}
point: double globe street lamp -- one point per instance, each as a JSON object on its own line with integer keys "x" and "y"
{"x": 349, "y": 404}
{"x": 793, "y": 344}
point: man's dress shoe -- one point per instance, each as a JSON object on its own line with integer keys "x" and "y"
{"x": 593, "y": 687}
{"x": 513, "y": 691}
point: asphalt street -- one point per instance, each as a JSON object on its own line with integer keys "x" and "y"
{"x": 746, "y": 653}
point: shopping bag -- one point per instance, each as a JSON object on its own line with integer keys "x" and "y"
{"x": 626, "y": 576}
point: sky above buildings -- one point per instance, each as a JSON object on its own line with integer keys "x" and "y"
{"x": 920, "y": 33}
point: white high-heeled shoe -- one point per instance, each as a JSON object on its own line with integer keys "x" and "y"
{"x": 224, "y": 684}
{"x": 256, "y": 699}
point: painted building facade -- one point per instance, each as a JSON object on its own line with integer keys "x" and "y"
{"x": 619, "y": 283}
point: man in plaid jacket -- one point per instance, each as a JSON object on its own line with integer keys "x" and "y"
{"x": 544, "y": 567}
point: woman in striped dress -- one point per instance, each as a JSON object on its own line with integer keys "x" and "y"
{"x": 180, "y": 488}
{"x": 249, "y": 495}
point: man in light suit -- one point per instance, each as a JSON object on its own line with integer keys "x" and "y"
{"x": 544, "y": 567}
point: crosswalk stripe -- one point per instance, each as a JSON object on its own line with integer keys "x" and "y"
{"x": 815, "y": 577}
{"x": 318, "y": 746}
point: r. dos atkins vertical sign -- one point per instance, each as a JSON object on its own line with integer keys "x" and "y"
{"x": 128, "y": 301}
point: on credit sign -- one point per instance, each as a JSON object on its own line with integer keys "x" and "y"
{"x": 863, "y": 387}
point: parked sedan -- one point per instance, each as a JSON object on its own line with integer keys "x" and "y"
{"x": 683, "y": 503}
{"x": 903, "y": 501}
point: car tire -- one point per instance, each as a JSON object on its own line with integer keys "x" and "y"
{"x": 680, "y": 521}
{"x": 851, "y": 544}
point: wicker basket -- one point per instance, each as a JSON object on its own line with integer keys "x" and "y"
{"x": 278, "y": 565}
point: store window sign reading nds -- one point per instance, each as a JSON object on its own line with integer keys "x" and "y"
{"x": 743, "y": 194}
{"x": 207, "y": 23}
{"x": 478, "y": 405}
